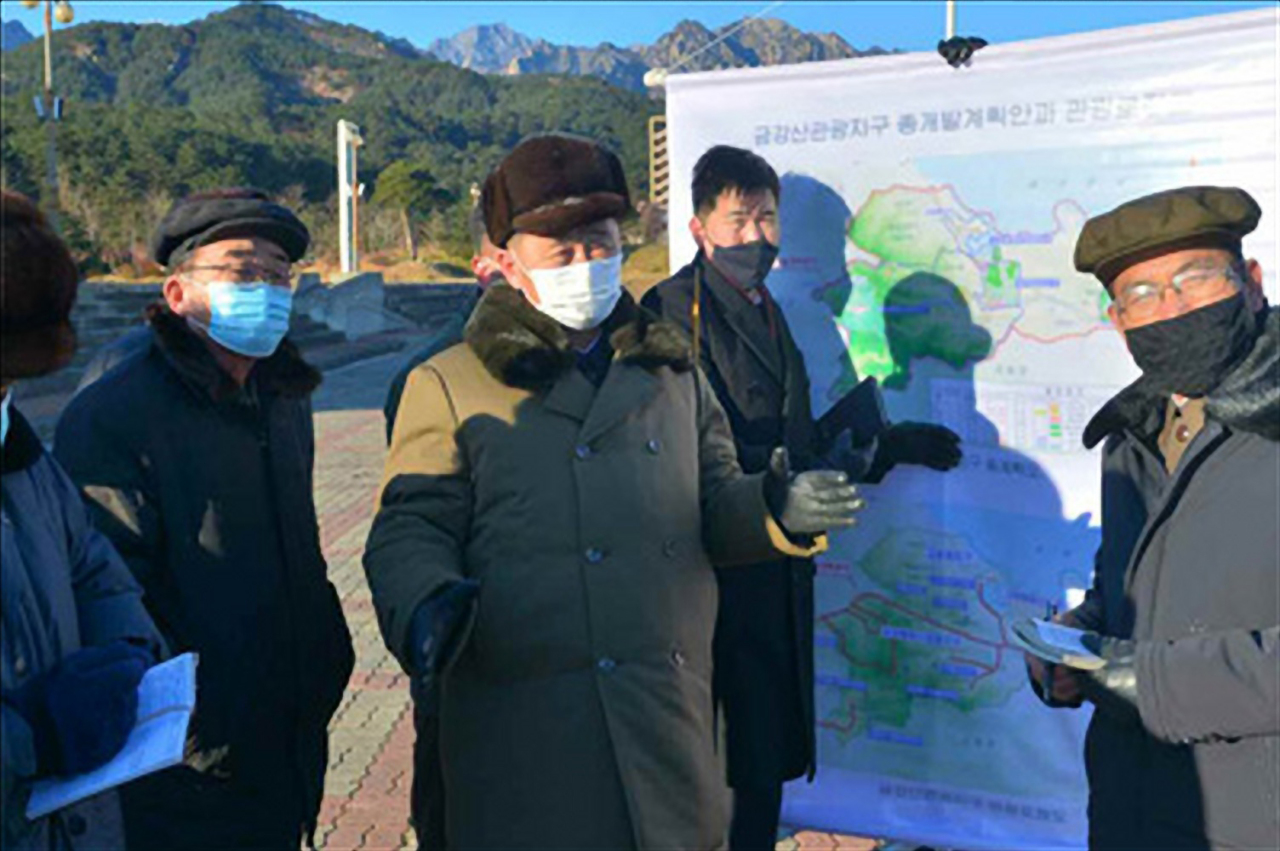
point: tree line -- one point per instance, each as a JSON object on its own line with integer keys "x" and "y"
{"x": 247, "y": 97}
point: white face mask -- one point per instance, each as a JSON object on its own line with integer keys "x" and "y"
{"x": 578, "y": 296}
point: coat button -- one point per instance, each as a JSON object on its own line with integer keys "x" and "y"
{"x": 595, "y": 555}
{"x": 654, "y": 446}
{"x": 583, "y": 452}
{"x": 76, "y": 825}
{"x": 20, "y": 666}
{"x": 677, "y": 658}
{"x": 606, "y": 665}
{"x": 669, "y": 548}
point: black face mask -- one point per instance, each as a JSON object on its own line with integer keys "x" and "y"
{"x": 1191, "y": 354}
{"x": 746, "y": 265}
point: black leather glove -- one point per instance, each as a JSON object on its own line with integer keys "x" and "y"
{"x": 1113, "y": 688}
{"x": 809, "y": 503}
{"x": 925, "y": 444}
{"x": 435, "y": 630}
{"x": 82, "y": 710}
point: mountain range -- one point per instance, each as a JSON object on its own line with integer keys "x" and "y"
{"x": 250, "y": 96}
{"x": 498, "y": 49}
{"x": 14, "y": 34}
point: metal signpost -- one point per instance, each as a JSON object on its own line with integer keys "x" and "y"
{"x": 349, "y": 141}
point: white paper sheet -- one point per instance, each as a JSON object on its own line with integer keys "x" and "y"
{"x": 1055, "y": 643}
{"x": 166, "y": 700}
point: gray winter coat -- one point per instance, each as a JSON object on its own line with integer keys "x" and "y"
{"x": 1189, "y": 567}
{"x": 62, "y": 587}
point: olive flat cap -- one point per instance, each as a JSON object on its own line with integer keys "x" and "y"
{"x": 208, "y": 217}
{"x": 551, "y": 184}
{"x": 1173, "y": 220}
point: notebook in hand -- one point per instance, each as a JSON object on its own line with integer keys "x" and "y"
{"x": 166, "y": 699}
{"x": 1055, "y": 643}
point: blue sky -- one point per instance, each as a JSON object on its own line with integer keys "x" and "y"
{"x": 906, "y": 24}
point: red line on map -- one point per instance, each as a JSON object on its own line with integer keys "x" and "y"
{"x": 865, "y": 617}
{"x": 870, "y": 618}
{"x": 846, "y": 727}
{"x": 983, "y": 665}
{"x": 1075, "y": 335}
{"x": 988, "y": 215}
{"x": 982, "y": 599}
{"x": 929, "y": 620}
{"x": 862, "y": 617}
{"x": 989, "y": 218}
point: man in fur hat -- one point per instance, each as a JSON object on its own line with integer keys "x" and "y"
{"x": 557, "y": 490}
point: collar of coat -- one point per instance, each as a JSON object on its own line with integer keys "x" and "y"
{"x": 284, "y": 373}
{"x": 523, "y": 347}
{"x": 22, "y": 446}
{"x": 1248, "y": 399}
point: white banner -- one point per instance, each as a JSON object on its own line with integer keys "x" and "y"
{"x": 929, "y": 218}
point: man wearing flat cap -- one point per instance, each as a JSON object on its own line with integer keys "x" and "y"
{"x": 195, "y": 455}
{"x": 557, "y": 490}
{"x": 1184, "y": 747}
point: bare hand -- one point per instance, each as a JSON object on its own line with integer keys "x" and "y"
{"x": 1064, "y": 690}
{"x": 211, "y": 761}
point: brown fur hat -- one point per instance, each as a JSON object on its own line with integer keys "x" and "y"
{"x": 551, "y": 184}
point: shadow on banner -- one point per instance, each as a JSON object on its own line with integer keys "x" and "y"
{"x": 927, "y": 730}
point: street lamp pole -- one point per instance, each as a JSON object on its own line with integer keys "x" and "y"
{"x": 50, "y": 131}
{"x": 61, "y": 10}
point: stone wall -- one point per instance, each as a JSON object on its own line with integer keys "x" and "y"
{"x": 351, "y": 310}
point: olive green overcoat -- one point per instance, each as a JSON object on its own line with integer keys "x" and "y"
{"x": 577, "y": 712}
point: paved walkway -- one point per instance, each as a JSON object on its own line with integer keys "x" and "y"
{"x": 366, "y": 803}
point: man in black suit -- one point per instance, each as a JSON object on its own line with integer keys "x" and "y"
{"x": 764, "y": 633}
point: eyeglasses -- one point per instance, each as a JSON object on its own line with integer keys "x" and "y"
{"x": 1199, "y": 285}
{"x": 249, "y": 273}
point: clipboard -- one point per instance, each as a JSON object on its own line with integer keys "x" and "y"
{"x": 860, "y": 411}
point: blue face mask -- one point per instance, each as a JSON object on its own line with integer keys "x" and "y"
{"x": 248, "y": 319}
{"x": 4, "y": 416}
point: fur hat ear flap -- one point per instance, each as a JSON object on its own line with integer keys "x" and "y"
{"x": 620, "y": 180}
{"x": 495, "y": 201}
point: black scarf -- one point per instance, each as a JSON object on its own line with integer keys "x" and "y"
{"x": 1247, "y": 399}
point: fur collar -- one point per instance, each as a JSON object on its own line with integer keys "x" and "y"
{"x": 1247, "y": 400}
{"x": 284, "y": 373}
{"x": 524, "y": 348}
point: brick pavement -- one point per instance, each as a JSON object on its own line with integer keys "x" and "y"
{"x": 366, "y": 802}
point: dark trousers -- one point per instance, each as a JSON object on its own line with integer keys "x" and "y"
{"x": 182, "y": 810}
{"x": 426, "y": 800}
{"x": 756, "y": 810}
